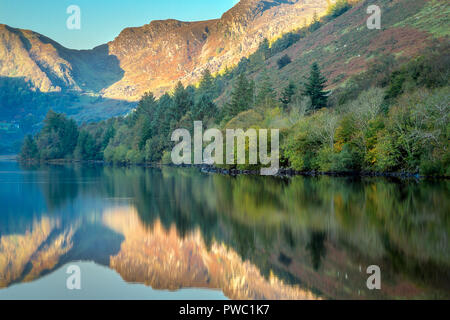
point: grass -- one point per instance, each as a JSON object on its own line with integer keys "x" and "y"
{"x": 433, "y": 18}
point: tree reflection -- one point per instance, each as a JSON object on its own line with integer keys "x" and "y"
{"x": 280, "y": 225}
{"x": 316, "y": 247}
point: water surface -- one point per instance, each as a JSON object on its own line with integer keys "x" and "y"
{"x": 141, "y": 233}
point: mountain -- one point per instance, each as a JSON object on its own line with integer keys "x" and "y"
{"x": 156, "y": 56}
{"x": 152, "y": 57}
{"x": 345, "y": 46}
{"x": 37, "y": 73}
{"x": 51, "y": 67}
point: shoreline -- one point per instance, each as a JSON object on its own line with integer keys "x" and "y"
{"x": 289, "y": 172}
{"x": 208, "y": 169}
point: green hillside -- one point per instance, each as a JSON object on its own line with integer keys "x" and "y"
{"x": 384, "y": 108}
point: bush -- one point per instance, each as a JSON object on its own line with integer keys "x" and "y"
{"x": 387, "y": 156}
{"x": 283, "y": 61}
{"x": 349, "y": 159}
{"x": 134, "y": 156}
{"x": 166, "y": 158}
{"x": 29, "y": 149}
{"x": 431, "y": 167}
{"x": 58, "y": 138}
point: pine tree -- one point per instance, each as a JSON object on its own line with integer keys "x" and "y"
{"x": 204, "y": 109}
{"x": 314, "y": 88}
{"x": 182, "y": 103}
{"x": 108, "y": 134}
{"x": 265, "y": 49}
{"x": 86, "y": 148}
{"x": 241, "y": 97}
{"x": 338, "y": 8}
{"x": 206, "y": 85}
{"x": 267, "y": 96}
{"x": 147, "y": 105}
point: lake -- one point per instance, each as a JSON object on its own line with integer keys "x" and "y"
{"x": 177, "y": 233}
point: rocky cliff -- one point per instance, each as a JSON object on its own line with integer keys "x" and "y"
{"x": 152, "y": 57}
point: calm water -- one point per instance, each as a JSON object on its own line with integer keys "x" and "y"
{"x": 179, "y": 234}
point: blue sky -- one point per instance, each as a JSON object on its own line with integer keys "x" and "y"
{"x": 102, "y": 20}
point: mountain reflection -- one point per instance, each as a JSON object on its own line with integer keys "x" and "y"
{"x": 162, "y": 259}
{"x": 154, "y": 256}
{"x": 250, "y": 237}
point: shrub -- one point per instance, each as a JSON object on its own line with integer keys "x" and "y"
{"x": 134, "y": 156}
{"x": 430, "y": 167}
{"x": 29, "y": 149}
{"x": 283, "y": 61}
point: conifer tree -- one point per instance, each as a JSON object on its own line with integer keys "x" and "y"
{"x": 147, "y": 105}
{"x": 265, "y": 49}
{"x": 204, "y": 109}
{"x": 241, "y": 97}
{"x": 182, "y": 103}
{"x": 314, "y": 88}
{"x": 266, "y": 97}
{"x": 206, "y": 85}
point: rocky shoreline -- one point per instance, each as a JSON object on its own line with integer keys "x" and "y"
{"x": 289, "y": 172}
{"x": 282, "y": 173}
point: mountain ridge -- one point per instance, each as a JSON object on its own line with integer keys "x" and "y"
{"x": 37, "y": 74}
{"x": 152, "y": 57}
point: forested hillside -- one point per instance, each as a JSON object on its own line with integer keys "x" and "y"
{"x": 38, "y": 74}
{"x": 346, "y": 99}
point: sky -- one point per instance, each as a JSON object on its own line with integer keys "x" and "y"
{"x": 102, "y": 20}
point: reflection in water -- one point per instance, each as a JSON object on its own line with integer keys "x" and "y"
{"x": 251, "y": 237}
{"x": 161, "y": 259}
{"x": 317, "y": 248}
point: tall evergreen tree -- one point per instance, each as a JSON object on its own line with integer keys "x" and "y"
{"x": 266, "y": 97}
{"x": 204, "y": 109}
{"x": 86, "y": 148}
{"x": 265, "y": 49}
{"x": 147, "y": 105}
{"x": 107, "y": 135}
{"x": 314, "y": 88}
{"x": 182, "y": 103}
{"x": 163, "y": 116}
{"x": 206, "y": 85}
{"x": 242, "y": 97}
